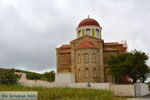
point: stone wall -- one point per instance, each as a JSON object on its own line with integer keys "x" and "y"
{"x": 65, "y": 77}
{"x": 102, "y": 86}
{"x": 88, "y": 71}
{"x": 141, "y": 89}
{"x": 63, "y": 60}
{"x": 123, "y": 90}
{"x": 87, "y": 66}
{"x": 119, "y": 90}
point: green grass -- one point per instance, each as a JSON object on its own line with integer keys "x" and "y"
{"x": 64, "y": 93}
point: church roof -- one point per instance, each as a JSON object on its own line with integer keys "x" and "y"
{"x": 65, "y": 46}
{"x": 86, "y": 44}
{"x": 65, "y": 51}
{"x": 86, "y": 37}
{"x": 88, "y": 21}
{"x": 112, "y": 44}
{"x": 110, "y": 49}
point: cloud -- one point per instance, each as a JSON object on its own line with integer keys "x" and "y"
{"x": 31, "y": 29}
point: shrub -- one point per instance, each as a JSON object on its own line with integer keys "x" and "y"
{"x": 50, "y": 76}
{"x": 9, "y": 77}
{"x": 34, "y": 76}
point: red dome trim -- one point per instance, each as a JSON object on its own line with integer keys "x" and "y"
{"x": 88, "y": 21}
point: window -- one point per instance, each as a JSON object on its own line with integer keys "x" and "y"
{"x": 79, "y": 59}
{"x": 86, "y": 58}
{"x": 94, "y": 72}
{"x": 86, "y": 72}
{"x": 93, "y": 58}
{"x": 79, "y": 73}
{"x": 79, "y": 33}
{"x": 88, "y": 31}
{"x": 97, "y": 33}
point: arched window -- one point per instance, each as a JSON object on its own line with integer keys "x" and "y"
{"x": 93, "y": 58}
{"x": 79, "y": 59}
{"x": 79, "y": 73}
{"x": 88, "y": 31}
{"x": 97, "y": 33}
{"x": 94, "y": 72}
{"x": 79, "y": 33}
{"x": 86, "y": 72}
{"x": 86, "y": 58}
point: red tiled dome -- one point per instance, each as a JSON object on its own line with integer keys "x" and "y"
{"x": 88, "y": 21}
{"x": 86, "y": 44}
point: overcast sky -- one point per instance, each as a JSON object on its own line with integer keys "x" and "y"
{"x": 30, "y": 30}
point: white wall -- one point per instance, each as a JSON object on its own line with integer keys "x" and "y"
{"x": 141, "y": 89}
{"x": 123, "y": 90}
{"x": 62, "y": 81}
{"x": 65, "y": 77}
{"x": 102, "y": 86}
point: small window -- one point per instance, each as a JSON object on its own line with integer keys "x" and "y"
{"x": 88, "y": 31}
{"x": 97, "y": 33}
{"x": 79, "y": 73}
{"x": 94, "y": 72}
{"x": 79, "y": 33}
{"x": 86, "y": 58}
{"x": 79, "y": 59}
{"x": 86, "y": 72}
{"x": 93, "y": 58}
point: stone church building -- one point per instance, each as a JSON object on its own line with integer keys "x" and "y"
{"x": 87, "y": 56}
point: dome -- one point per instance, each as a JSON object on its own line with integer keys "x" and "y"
{"x": 88, "y": 22}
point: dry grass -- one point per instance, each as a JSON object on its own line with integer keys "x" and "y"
{"x": 64, "y": 93}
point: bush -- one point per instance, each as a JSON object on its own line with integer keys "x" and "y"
{"x": 50, "y": 76}
{"x": 9, "y": 77}
{"x": 34, "y": 76}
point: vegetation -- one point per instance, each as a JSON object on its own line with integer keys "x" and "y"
{"x": 132, "y": 64}
{"x": 34, "y": 76}
{"x": 149, "y": 69}
{"x": 47, "y": 76}
{"x": 64, "y": 93}
{"x": 9, "y": 77}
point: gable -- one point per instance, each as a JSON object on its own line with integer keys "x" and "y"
{"x": 86, "y": 37}
{"x": 86, "y": 44}
{"x": 93, "y": 42}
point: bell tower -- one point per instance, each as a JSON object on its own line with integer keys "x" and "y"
{"x": 89, "y": 27}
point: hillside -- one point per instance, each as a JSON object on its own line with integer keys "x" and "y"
{"x": 47, "y": 76}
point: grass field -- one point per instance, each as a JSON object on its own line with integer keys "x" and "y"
{"x": 64, "y": 93}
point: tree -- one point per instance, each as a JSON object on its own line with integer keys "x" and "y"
{"x": 9, "y": 77}
{"x": 50, "y": 76}
{"x": 148, "y": 69}
{"x": 132, "y": 64}
{"x": 34, "y": 76}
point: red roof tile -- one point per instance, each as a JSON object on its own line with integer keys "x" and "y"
{"x": 65, "y": 46}
{"x": 88, "y": 21}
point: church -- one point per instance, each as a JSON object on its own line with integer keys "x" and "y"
{"x": 87, "y": 55}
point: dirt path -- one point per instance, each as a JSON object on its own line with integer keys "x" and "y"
{"x": 138, "y": 99}
{"x": 141, "y": 98}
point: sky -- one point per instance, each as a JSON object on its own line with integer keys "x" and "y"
{"x": 30, "y": 30}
